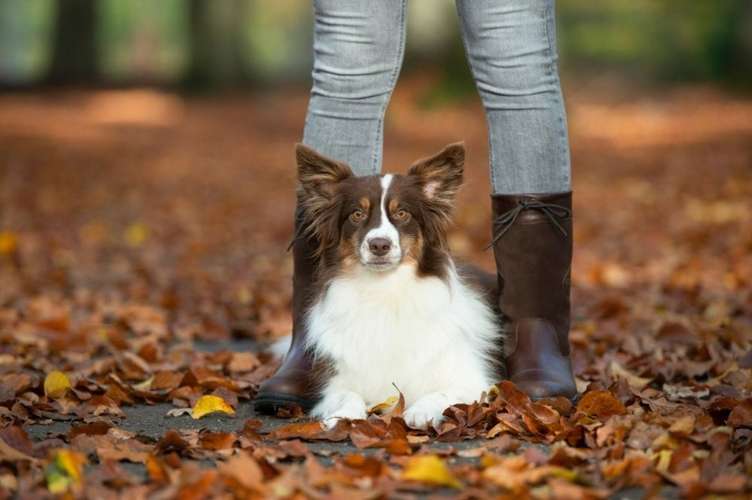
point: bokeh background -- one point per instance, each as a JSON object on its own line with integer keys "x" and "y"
{"x": 214, "y": 45}
{"x": 146, "y": 152}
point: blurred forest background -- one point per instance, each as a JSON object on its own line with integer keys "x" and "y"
{"x": 208, "y": 45}
{"x": 147, "y": 195}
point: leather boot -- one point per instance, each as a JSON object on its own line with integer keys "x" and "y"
{"x": 533, "y": 249}
{"x": 295, "y": 382}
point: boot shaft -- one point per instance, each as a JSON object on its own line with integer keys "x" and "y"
{"x": 533, "y": 251}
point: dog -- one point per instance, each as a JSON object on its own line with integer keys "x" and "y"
{"x": 391, "y": 311}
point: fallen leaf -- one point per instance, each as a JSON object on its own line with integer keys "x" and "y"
{"x": 210, "y": 440}
{"x": 384, "y": 405}
{"x": 244, "y": 470}
{"x": 429, "y": 469}
{"x": 64, "y": 472}
{"x": 8, "y": 242}
{"x": 178, "y": 412}
{"x": 304, "y": 430}
{"x": 210, "y": 404}
{"x": 741, "y": 415}
{"x": 684, "y": 426}
{"x": 11, "y": 454}
{"x": 56, "y": 384}
{"x": 156, "y": 469}
{"x": 600, "y": 404}
{"x": 16, "y": 437}
{"x": 243, "y": 362}
{"x": 136, "y": 234}
{"x": 633, "y": 380}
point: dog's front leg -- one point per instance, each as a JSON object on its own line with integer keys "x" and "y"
{"x": 337, "y": 405}
{"x": 428, "y": 410}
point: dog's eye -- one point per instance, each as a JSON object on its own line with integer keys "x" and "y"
{"x": 401, "y": 215}
{"x": 358, "y": 216}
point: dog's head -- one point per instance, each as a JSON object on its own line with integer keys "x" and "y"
{"x": 380, "y": 221}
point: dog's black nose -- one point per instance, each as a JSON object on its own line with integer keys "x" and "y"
{"x": 379, "y": 246}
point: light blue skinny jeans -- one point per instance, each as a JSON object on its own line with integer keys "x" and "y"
{"x": 358, "y": 49}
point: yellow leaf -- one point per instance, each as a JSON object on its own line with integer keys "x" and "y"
{"x": 384, "y": 405}
{"x": 429, "y": 469}
{"x": 663, "y": 460}
{"x": 561, "y": 473}
{"x": 145, "y": 385}
{"x": 210, "y": 404}
{"x": 8, "y": 242}
{"x": 56, "y": 384}
{"x": 64, "y": 471}
{"x": 136, "y": 234}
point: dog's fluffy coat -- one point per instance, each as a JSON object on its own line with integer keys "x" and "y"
{"x": 394, "y": 314}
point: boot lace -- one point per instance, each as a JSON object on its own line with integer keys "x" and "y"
{"x": 552, "y": 211}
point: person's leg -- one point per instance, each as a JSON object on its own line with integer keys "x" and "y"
{"x": 358, "y": 48}
{"x": 511, "y": 47}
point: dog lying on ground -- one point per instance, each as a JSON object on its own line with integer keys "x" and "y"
{"x": 391, "y": 310}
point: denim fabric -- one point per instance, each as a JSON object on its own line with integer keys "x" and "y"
{"x": 511, "y": 49}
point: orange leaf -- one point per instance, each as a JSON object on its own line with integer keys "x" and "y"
{"x": 600, "y": 404}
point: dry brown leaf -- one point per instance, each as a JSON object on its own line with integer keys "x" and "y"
{"x": 600, "y": 404}
{"x": 244, "y": 470}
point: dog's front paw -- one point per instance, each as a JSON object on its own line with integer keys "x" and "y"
{"x": 427, "y": 411}
{"x": 330, "y": 422}
{"x": 338, "y": 406}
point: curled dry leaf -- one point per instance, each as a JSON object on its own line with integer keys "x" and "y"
{"x": 600, "y": 404}
{"x": 210, "y": 404}
{"x": 384, "y": 405}
{"x": 633, "y": 380}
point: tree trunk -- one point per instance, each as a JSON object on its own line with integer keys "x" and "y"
{"x": 74, "y": 44}
{"x": 216, "y": 43}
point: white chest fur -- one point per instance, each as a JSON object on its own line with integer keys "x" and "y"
{"x": 430, "y": 338}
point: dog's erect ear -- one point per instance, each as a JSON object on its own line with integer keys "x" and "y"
{"x": 318, "y": 178}
{"x": 319, "y": 175}
{"x": 440, "y": 175}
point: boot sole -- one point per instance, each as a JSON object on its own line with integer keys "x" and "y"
{"x": 268, "y": 404}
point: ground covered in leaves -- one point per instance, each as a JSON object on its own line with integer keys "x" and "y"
{"x": 142, "y": 266}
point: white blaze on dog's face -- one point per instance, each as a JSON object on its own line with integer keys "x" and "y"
{"x": 380, "y": 221}
{"x": 380, "y": 242}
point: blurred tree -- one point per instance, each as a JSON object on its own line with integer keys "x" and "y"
{"x": 216, "y": 56}
{"x": 142, "y": 41}
{"x": 74, "y": 43}
{"x": 743, "y": 46}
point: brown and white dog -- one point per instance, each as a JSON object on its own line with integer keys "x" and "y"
{"x": 390, "y": 308}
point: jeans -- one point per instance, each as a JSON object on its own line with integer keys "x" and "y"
{"x": 511, "y": 47}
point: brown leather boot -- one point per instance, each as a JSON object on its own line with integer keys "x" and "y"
{"x": 533, "y": 249}
{"x": 296, "y": 381}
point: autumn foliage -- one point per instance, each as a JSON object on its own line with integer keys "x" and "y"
{"x": 142, "y": 266}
